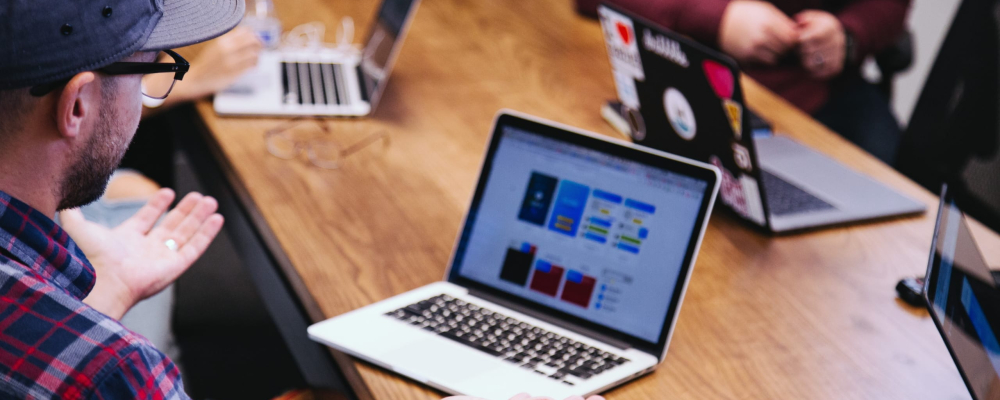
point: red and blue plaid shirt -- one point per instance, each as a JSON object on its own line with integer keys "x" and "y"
{"x": 52, "y": 345}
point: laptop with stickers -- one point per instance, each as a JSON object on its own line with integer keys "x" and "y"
{"x": 685, "y": 98}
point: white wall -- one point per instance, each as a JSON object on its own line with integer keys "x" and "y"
{"x": 929, "y": 22}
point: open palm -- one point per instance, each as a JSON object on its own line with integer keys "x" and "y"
{"x": 132, "y": 260}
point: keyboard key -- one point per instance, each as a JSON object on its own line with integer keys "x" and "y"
{"x": 314, "y": 83}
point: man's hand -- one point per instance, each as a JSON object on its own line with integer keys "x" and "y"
{"x": 525, "y": 396}
{"x": 132, "y": 260}
{"x": 822, "y": 43}
{"x": 754, "y": 31}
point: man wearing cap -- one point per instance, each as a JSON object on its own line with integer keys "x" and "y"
{"x": 70, "y": 101}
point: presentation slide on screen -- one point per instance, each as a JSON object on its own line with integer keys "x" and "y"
{"x": 588, "y": 234}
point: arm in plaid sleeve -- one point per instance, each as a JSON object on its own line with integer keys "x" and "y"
{"x": 143, "y": 373}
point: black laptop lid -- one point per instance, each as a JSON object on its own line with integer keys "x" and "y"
{"x": 685, "y": 98}
{"x": 964, "y": 301}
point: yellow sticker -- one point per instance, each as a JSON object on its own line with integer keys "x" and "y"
{"x": 735, "y": 113}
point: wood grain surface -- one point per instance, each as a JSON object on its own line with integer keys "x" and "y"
{"x": 811, "y": 315}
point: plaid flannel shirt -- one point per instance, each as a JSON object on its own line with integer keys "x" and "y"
{"x": 52, "y": 345}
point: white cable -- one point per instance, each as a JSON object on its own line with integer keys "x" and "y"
{"x": 311, "y": 36}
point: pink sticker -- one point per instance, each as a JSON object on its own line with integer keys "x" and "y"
{"x": 720, "y": 77}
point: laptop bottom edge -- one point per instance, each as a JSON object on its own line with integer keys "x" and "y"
{"x": 449, "y": 366}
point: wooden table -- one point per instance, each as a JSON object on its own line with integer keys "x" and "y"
{"x": 812, "y": 315}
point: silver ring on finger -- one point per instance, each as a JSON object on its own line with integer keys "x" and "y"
{"x": 171, "y": 244}
{"x": 818, "y": 59}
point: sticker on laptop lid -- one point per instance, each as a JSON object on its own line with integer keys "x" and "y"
{"x": 627, "y": 93}
{"x": 664, "y": 47}
{"x": 720, "y": 78}
{"x": 679, "y": 113}
{"x": 741, "y": 194}
{"x": 742, "y": 157}
{"x": 734, "y": 112}
{"x": 751, "y": 193}
{"x": 636, "y": 123}
{"x": 623, "y": 49}
{"x": 730, "y": 190}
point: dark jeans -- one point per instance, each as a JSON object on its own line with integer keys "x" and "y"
{"x": 859, "y": 112}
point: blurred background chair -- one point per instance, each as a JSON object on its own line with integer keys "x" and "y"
{"x": 953, "y": 133}
{"x": 894, "y": 60}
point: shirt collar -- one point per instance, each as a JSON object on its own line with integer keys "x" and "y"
{"x": 46, "y": 249}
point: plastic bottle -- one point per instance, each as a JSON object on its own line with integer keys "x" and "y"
{"x": 260, "y": 17}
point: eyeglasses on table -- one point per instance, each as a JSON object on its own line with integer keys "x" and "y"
{"x": 322, "y": 149}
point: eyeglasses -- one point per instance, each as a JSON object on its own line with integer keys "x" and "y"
{"x": 178, "y": 67}
{"x": 322, "y": 152}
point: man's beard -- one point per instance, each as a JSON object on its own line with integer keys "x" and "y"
{"x": 88, "y": 177}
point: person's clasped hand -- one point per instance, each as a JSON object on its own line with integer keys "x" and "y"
{"x": 756, "y": 32}
{"x": 525, "y": 396}
{"x": 223, "y": 61}
{"x": 133, "y": 261}
{"x": 822, "y": 43}
{"x": 219, "y": 64}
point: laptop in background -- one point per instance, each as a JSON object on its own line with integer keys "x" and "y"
{"x": 685, "y": 98}
{"x": 964, "y": 301}
{"x": 566, "y": 278}
{"x": 323, "y": 82}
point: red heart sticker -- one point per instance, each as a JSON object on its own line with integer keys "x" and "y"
{"x": 623, "y": 32}
{"x": 720, "y": 77}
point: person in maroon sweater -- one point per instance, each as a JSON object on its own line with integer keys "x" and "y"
{"x": 807, "y": 51}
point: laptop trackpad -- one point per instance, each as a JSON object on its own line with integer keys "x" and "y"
{"x": 436, "y": 358}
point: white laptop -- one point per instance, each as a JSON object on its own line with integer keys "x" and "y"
{"x": 567, "y": 276}
{"x": 323, "y": 82}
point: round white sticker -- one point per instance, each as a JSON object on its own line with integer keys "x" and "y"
{"x": 679, "y": 113}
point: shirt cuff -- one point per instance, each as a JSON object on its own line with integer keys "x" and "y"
{"x": 703, "y": 20}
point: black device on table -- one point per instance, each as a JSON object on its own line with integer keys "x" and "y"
{"x": 911, "y": 290}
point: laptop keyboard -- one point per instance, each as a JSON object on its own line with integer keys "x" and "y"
{"x": 784, "y": 198}
{"x": 314, "y": 83}
{"x": 507, "y": 338}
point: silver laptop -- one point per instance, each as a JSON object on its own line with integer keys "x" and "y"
{"x": 323, "y": 82}
{"x": 685, "y": 98}
{"x": 567, "y": 276}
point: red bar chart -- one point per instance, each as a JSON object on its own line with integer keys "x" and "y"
{"x": 578, "y": 288}
{"x": 546, "y": 278}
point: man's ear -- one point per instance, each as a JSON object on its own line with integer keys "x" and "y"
{"x": 79, "y": 100}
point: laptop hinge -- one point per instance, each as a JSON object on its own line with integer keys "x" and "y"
{"x": 617, "y": 343}
{"x": 361, "y": 84}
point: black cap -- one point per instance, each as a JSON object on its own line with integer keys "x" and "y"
{"x": 47, "y": 40}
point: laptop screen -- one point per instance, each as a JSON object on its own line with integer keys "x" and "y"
{"x": 965, "y": 303}
{"x": 376, "y": 58}
{"x": 590, "y": 234}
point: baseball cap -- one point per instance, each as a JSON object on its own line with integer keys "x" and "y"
{"x": 48, "y": 40}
